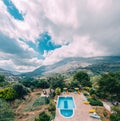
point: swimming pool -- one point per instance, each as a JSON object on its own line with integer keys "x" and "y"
{"x": 66, "y": 106}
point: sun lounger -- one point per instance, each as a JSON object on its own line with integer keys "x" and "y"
{"x": 86, "y": 102}
{"x": 92, "y": 111}
{"x": 94, "y": 115}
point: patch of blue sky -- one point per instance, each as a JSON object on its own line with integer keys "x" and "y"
{"x": 45, "y": 43}
{"x": 13, "y": 11}
{"x": 33, "y": 46}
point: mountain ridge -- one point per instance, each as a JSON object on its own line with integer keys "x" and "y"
{"x": 73, "y": 64}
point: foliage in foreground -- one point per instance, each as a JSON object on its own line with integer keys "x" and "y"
{"x": 6, "y": 113}
{"x": 41, "y": 101}
{"x": 58, "y": 91}
{"x": 83, "y": 78}
{"x": 109, "y": 86}
{"x": 8, "y": 94}
{"x": 115, "y": 116}
{"x": 43, "y": 117}
{"x": 20, "y": 90}
{"x": 95, "y": 102}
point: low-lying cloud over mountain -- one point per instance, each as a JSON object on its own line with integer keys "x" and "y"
{"x": 34, "y": 33}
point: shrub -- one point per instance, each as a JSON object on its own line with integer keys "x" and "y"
{"x": 52, "y": 95}
{"x": 114, "y": 117}
{"x": 6, "y": 112}
{"x": 20, "y": 90}
{"x": 41, "y": 101}
{"x": 58, "y": 91}
{"x": 83, "y": 79}
{"x": 87, "y": 88}
{"x": 95, "y": 102}
{"x": 86, "y": 94}
{"x": 8, "y": 94}
{"x": 92, "y": 91}
{"x": 53, "y": 113}
{"x": 52, "y": 107}
{"x": 42, "y": 83}
{"x": 43, "y": 117}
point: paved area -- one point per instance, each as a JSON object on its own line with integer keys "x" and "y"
{"x": 80, "y": 113}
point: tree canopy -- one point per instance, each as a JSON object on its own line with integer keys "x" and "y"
{"x": 83, "y": 78}
{"x": 20, "y": 90}
{"x": 2, "y": 78}
{"x": 6, "y": 113}
{"x": 8, "y": 94}
{"x": 56, "y": 81}
{"x": 109, "y": 85}
{"x": 43, "y": 117}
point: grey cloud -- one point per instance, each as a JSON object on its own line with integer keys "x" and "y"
{"x": 11, "y": 46}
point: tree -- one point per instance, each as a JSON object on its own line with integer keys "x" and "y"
{"x": 109, "y": 84}
{"x": 20, "y": 90}
{"x": 74, "y": 83}
{"x": 115, "y": 116}
{"x": 8, "y": 94}
{"x": 82, "y": 78}
{"x": 56, "y": 81}
{"x": 3, "y": 82}
{"x": 2, "y": 78}
{"x": 58, "y": 91}
{"x": 42, "y": 83}
{"x": 6, "y": 113}
{"x": 43, "y": 117}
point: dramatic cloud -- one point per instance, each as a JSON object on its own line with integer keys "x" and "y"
{"x": 39, "y": 32}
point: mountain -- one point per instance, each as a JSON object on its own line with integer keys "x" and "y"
{"x": 5, "y": 72}
{"x": 10, "y": 75}
{"x": 95, "y": 65}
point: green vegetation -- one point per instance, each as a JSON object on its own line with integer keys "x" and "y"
{"x": 82, "y": 78}
{"x": 104, "y": 86}
{"x": 40, "y": 83}
{"x": 3, "y": 82}
{"x": 95, "y": 102}
{"x": 43, "y": 117}
{"x": 86, "y": 94}
{"x": 6, "y": 113}
{"x": 56, "y": 81}
{"x": 52, "y": 109}
{"x": 20, "y": 90}
{"x": 41, "y": 101}
{"x": 109, "y": 86}
{"x": 58, "y": 91}
{"x": 2, "y": 78}
{"x": 8, "y": 94}
{"x": 115, "y": 116}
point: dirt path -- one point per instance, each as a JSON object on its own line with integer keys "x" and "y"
{"x": 28, "y": 115}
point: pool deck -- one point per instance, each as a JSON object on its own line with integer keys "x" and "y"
{"x": 81, "y": 111}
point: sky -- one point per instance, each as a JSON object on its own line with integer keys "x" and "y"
{"x": 42, "y": 32}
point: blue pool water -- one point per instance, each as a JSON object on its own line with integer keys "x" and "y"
{"x": 66, "y": 106}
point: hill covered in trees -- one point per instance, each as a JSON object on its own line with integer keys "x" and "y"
{"x": 95, "y": 65}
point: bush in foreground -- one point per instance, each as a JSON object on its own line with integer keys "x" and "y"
{"x": 41, "y": 101}
{"x": 115, "y": 116}
{"x": 43, "y": 117}
{"x": 6, "y": 113}
{"x": 95, "y": 102}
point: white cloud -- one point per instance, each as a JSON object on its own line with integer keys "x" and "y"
{"x": 90, "y": 27}
{"x": 79, "y": 47}
{"x": 14, "y": 63}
